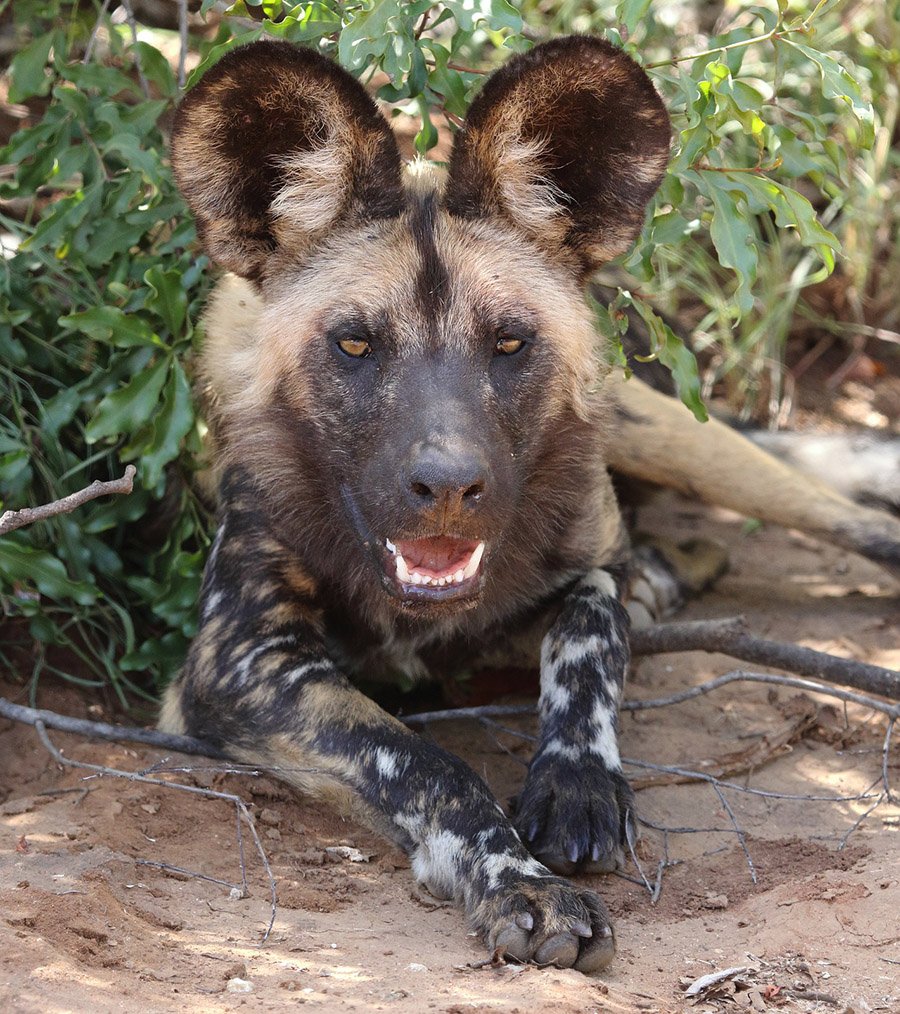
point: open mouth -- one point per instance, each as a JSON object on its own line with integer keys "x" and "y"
{"x": 437, "y": 568}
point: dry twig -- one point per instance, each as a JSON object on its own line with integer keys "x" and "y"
{"x": 183, "y": 41}
{"x": 11, "y": 520}
{"x": 243, "y": 813}
{"x": 138, "y": 63}
{"x": 730, "y": 637}
{"x": 105, "y": 731}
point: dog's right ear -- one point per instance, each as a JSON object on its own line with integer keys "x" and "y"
{"x": 274, "y": 147}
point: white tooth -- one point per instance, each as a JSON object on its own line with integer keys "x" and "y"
{"x": 391, "y": 548}
{"x": 459, "y": 576}
{"x": 403, "y": 575}
{"x": 474, "y": 561}
{"x": 415, "y": 578}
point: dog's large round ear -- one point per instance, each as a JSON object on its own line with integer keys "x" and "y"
{"x": 568, "y": 143}
{"x": 276, "y": 146}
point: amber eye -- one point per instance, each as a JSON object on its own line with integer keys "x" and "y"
{"x": 509, "y": 346}
{"x": 358, "y": 348}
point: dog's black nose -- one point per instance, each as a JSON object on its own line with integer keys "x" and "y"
{"x": 446, "y": 476}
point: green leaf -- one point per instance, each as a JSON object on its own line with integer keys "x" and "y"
{"x": 671, "y": 351}
{"x": 170, "y": 425}
{"x": 169, "y": 299}
{"x": 371, "y": 33}
{"x": 612, "y": 324}
{"x": 36, "y": 567}
{"x": 132, "y": 406}
{"x": 631, "y": 13}
{"x": 166, "y": 652}
{"x": 792, "y": 211}
{"x": 837, "y": 83}
{"x": 112, "y": 326}
{"x": 59, "y": 411}
{"x": 492, "y": 14}
{"x": 27, "y": 70}
{"x": 447, "y": 82}
{"x": 731, "y": 231}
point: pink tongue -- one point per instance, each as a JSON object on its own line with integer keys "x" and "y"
{"x": 437, "y": 557}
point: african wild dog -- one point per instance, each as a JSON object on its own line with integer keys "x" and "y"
{"x": 404, "y": 387}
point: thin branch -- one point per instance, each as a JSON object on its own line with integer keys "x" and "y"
{"x": 776, "y": 33}
{"x": 423, "y": 24}
{"x": 450, "y": 714}
{"x": 103, "y": 730}
{"x": 138, "y": 63}
{"x": 744, "y": 676}
{"x": 95, "y": 31}
{"x": 885, "y": 757}
{"x": 729, "y": 637}
{"x": 738, "y": 830}
{"x": 859, "y": 820}
{"x": 131, "y": 776}
{"x": 459, "y": 66}
{"x": 735, "y": 676}
{"x": 170, "y": 868}
{"x": 189, "y": 745}
{"x": 11, "y": 520}
{"x": 183, "y": 41}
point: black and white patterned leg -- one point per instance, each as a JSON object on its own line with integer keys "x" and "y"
{"x": 575, "y": 810}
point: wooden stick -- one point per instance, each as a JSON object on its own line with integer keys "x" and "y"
{"x": 730, "y": 637}
{"x": 11, "y": 520}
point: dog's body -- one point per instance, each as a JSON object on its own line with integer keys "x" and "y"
{"x": 412, "y": 431}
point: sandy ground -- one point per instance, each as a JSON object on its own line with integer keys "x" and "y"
{"x": 85, "y": 925}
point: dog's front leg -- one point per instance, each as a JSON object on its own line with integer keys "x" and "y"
{"x": 259, "y": 684}
{"x": 576, "y": 805}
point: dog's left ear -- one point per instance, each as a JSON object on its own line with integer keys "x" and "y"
{"x": 567, "y": 143}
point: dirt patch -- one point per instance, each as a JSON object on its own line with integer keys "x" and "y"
{"x": 87, "y": 925}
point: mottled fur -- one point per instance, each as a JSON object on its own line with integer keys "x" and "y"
{"x": 409, "y": 357}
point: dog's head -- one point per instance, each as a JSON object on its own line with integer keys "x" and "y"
{"x": 415, "y": 395}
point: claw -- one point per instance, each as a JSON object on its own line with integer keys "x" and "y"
{"x": 525, "y": 920}
{"x": 561, "y": 950}
{"x": 581, "y": 929}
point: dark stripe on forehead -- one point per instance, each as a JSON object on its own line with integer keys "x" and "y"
{"x": 432, "y": 280}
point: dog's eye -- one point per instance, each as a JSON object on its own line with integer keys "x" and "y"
{"x": 358, "y": 348}
{"x": 509, "y": 346}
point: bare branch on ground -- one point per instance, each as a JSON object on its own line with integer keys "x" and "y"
{"x": 11, "y": 520}
{"x": 243, "y": 813}
{"x": 730, "y": 637}
{"x": 103, "y": 730}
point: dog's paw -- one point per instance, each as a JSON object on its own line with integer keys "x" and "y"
{"x": 550, "y": 922}
{"x": 575, "y": 814}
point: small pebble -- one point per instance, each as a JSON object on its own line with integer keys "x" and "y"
{"x": 237, "y": 985}
{"x": 416, "y": 967}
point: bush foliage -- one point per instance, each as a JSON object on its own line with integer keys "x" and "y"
{"x": 102, "y": 281}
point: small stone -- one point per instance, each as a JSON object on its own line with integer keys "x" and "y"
{"x": 416, "y": 967}
{"x": 237, "y": 985}
{"x": 716, "y": 900}
{"x": 235, "y": 894}
{"x": 273, "y": 834}
{"x": 270, "y": 817}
